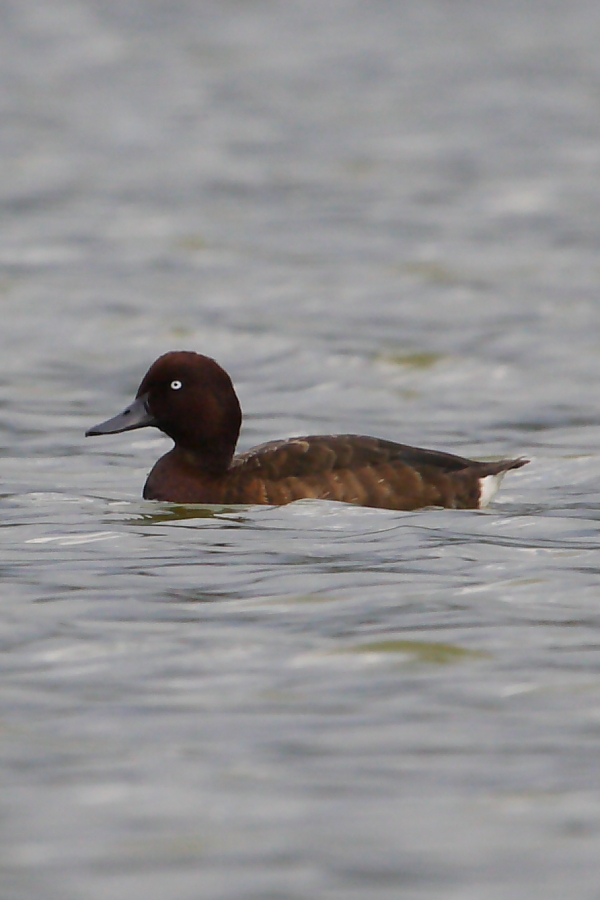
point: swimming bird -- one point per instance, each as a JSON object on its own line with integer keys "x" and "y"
{"x": 191, "y": 398}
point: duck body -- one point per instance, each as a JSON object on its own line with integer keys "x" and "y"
{"x": 191, "y": 398}
{"x": 349, "y": 468}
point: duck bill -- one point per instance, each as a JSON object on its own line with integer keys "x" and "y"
{"x": 136, "y": 415}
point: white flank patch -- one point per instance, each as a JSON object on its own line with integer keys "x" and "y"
{"x": 488, "y": 487}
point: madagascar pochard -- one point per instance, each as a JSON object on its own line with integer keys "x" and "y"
{"x": 192, "y": 399}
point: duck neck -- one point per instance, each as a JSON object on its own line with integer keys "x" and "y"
{"x": 216, "y": 461}
{"x": 206, "y": 438}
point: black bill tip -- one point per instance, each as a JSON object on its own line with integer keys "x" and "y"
{"x": 136, "y": 415}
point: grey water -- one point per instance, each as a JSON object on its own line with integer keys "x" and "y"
{"x": 380, "y": 218}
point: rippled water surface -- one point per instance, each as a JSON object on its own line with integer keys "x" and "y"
{"x": 380, "y": 218}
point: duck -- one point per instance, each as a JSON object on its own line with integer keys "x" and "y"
{"x": 191, "y": 398}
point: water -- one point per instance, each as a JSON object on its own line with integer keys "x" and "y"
{"x": 379, "y": 218}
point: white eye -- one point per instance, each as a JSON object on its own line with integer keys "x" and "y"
{"x": 176, "y": 385}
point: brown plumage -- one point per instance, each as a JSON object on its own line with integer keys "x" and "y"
{"x": 191, "y": 398}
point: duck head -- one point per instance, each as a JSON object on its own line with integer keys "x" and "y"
{"x": 190, "y": 398}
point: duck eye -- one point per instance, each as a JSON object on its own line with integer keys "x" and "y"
{"x": 176, "y": 385}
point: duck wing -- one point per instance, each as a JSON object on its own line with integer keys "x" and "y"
{"x": 362, "y": 470}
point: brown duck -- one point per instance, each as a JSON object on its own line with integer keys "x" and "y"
{"x": 192, "y": 399}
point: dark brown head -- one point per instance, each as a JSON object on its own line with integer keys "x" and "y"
{"x": 191, "y": 398}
